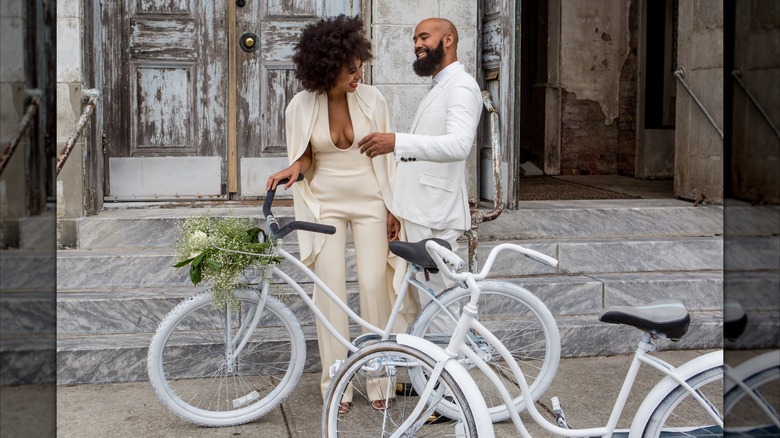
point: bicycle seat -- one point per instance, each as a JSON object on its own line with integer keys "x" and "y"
{"x": 415, "y": 253}
{"x": 665, "y": 318}
{"x": 734, "y": 320}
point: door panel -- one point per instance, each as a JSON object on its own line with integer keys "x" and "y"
{"x": 167, "y": 86}
{"x": 166, "y": 78}
{"x": 266, "y": 82}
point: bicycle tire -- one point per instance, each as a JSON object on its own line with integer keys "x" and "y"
{"x": 743, "y": 416}
{"x": 380, "y": 361}
{"x": 679, "y": 414}
{"x": 522, "y": 323}
{"x": 189, "y": 372}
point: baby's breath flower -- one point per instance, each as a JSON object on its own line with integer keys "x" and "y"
{"x": 209, "y": 244}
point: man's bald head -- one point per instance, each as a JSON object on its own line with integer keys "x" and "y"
{"x": 435, "y": 45}
{"x": 443, "y": 26}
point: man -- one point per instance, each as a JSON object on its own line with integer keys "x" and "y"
{"x": 430, "y": 196}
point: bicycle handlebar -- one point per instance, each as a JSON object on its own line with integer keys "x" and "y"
{"x": 444, "y": 258}
{"x": 273, "y": 225}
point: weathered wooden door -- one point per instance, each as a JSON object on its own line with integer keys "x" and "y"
{"x": 190, "y": 111}
{"x": 266, "y": 81}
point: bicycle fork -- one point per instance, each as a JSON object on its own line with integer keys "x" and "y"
{"x": 243, "y": 333}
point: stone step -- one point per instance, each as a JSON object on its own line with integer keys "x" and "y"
{"x": 89, "y": 359}
{"x": 158, "y": 227}
{"x": 604, "y": 219}
{"x": 155, "y": 227}
{"x": 28, "y": 359}
{"x": 130, "y": 268}
{"x": 28, "y": 269}
{"x": 141, "y": 310}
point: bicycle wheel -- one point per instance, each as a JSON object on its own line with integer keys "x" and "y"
{"x": 189, "y": 370}
{"x": 383, "y": 364}
{"x": 744, "y": 415}
{"x": 680, "y": 414}
{"x": 520, "y": 321}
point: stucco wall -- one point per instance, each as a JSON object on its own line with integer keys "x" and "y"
{"x": 392, "y": 29}
{"x": 70, "y": 77}
{"x": 599, "y": 86}
{"x": 594, "y": 46}
{"x": 755, "y": 151}
{"x": 13, "y": 82}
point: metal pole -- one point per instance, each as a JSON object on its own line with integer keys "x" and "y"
{"x": 32, "y": 107}
{"x": 737, "y": 73}
{"x": 477, "y": 216}
{"x": 680, "y": 74}
{"x": 87, "y": 112}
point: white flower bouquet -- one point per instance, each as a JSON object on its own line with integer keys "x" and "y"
{"x": 219, "y": 249}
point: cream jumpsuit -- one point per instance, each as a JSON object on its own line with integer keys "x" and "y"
{"x": 348, "y": 192}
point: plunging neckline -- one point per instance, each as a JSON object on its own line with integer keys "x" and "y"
{"x": 351, "y": 124}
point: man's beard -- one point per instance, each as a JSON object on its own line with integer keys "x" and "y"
{"x": 428, "y": 65}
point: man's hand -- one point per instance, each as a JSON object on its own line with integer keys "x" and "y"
{"x": 377, "y": 143}
{"x": 393, "y": 227}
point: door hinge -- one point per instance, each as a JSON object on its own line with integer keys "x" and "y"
{"x": 104, "y": 144}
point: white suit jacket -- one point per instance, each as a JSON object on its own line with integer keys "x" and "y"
{"x": 430, "y": 183}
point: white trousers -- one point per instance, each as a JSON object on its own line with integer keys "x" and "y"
{"x": 416, "y": 232}
{"x": 369, "y": 234}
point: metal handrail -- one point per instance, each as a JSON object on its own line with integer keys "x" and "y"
{"x": 87, "y": 112}
{"x": 737, "y": 73}
{"x": 478, "y": 216}
{"x": 34, "y": 96}
{"x": 680, "y": 74}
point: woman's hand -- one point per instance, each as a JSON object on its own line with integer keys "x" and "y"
{"x": 393, "y": 227}
{"x": 291, "y": 173}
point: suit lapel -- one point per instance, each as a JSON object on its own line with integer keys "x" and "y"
{"x": 431, "y": 97}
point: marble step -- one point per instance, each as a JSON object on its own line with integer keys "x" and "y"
{"x": 604, "y": 219}
{"x": 131, "y": 268}
{"x": 741, "y": 219}
{"x": 158, "y": 227}
{"x": 28, "y": 358}
{"x": 141, "y": 310}
{"x": 155, "y": 227}
{"x": 28, "y": 269}
{"x": 32, "y": 233}
{"x": 122, "y": 358}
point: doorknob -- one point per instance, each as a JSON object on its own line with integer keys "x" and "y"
{"x": 249, "y": 41}
{"x": 240, "y": 3}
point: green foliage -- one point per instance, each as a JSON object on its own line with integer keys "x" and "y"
{"x": 209, "y": 246}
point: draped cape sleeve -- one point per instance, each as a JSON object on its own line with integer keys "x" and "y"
{"x": 300, "y": 115}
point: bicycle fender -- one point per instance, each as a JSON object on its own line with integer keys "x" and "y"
{"x": 662, "y": 388}
{"x": 477, "y": 403}
{"x": 751, "y": 367}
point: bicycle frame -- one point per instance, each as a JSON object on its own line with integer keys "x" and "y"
{"x": 469, "y": 322}
{"x": 383, "y": 333}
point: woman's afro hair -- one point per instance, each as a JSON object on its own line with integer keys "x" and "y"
{"x": 325, "y": 48}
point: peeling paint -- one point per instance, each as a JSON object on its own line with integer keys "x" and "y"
{"x": 593, "y": 33}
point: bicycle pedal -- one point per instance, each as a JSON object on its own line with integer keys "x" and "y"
{"x": 405, "y": 389}
{"x": 560, "y": 418}
{"x": 436, "y": 418}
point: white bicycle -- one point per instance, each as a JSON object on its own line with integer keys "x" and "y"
{"x": 688, "y": 400}
{"x": 218, "y": 366}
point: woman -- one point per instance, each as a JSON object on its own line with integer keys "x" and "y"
{"x": 342, "y": 187}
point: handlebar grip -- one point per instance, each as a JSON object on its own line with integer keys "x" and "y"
{"x": 269, "y": 196}
{"x": 539, "y": 257}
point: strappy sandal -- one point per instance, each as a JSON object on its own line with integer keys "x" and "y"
{"x": 344, "y": 407}
{"x": 381, "y": 405}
